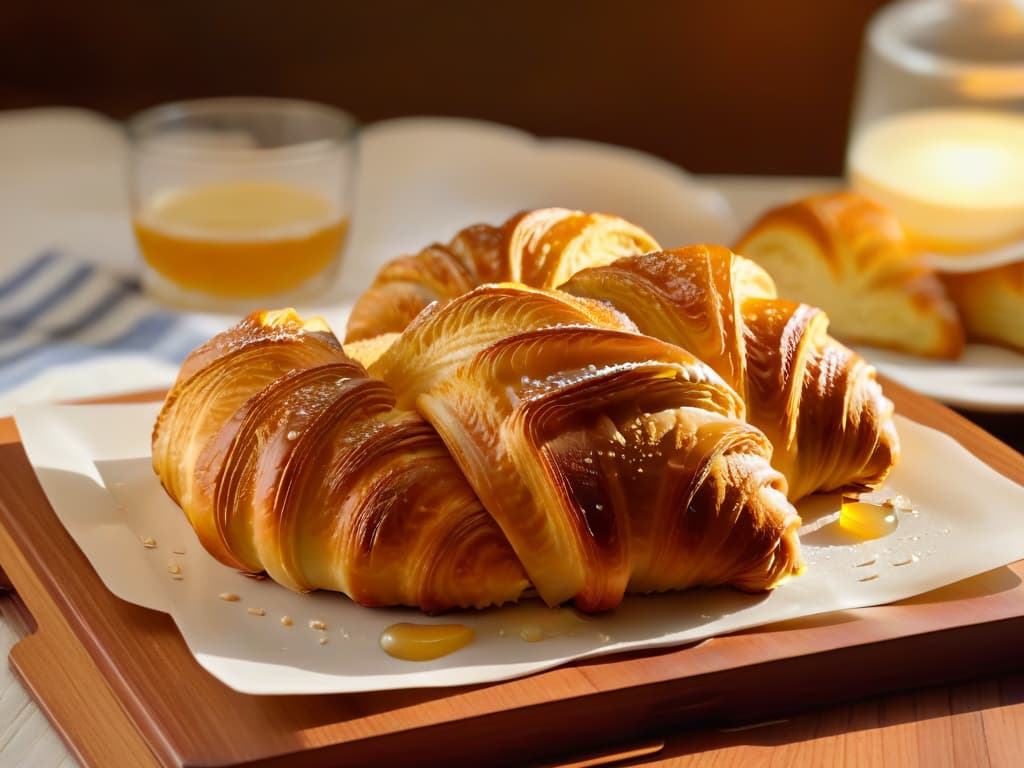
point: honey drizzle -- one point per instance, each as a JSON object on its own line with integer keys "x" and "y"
{"x": 424, "y": 642}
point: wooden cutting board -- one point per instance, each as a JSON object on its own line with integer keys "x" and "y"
{"x": 122, "y": 688}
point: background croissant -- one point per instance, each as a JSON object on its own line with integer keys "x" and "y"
{"x": 847, "y": 254}
{"x": 606, "y": 461}
{"x": 819, "y": 402}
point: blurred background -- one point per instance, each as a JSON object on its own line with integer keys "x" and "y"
{"x": 716, "y": 86}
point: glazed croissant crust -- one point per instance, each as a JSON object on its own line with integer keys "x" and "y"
{"x": 542, "y": 442}
{"x": 818, "y": 402}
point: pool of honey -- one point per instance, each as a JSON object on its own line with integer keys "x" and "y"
{"x": 424, "y": 642}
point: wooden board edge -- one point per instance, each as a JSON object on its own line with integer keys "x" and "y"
{"x": 62, "y": 678}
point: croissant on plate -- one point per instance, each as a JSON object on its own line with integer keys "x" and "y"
{"x": 991, "y": 303}
{"x": 818, "y": 402}
{"x": 847, "y": 254}
{"x": 511, "y": 438}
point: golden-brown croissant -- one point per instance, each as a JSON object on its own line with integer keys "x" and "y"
{"x": 612, "y": 460}
{"x": 287, "y": 458}
{"x": 606, "y": 461}
{"x": 848, "y": 255}
{"x": 817, "y": 401}
{"x": 540, "y": 248}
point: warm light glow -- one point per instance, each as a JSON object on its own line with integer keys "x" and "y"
{"x": 954, "y": 176}
{"x": 962, "y": 171}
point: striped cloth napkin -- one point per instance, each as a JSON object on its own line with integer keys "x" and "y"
{"x": 57, "y": 313}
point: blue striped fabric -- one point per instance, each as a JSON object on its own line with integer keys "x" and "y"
{"x": 55, "y": 310}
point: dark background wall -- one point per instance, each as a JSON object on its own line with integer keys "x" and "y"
{"x": 733, "y": 86}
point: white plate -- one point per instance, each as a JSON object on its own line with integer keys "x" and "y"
{"x": 93, "y": 463}
{"x": 984, "y": 378}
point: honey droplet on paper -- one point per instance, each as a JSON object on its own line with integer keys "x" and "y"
{"x": 532, "y": 633}
{"x": 868, "y": 521}
{"x": 423, "y": 642}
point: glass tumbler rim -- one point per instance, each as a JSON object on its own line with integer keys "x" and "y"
{"x": 887, "y": 34}
{"x": 339, "y": 128}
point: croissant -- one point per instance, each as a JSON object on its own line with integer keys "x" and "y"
{"x": 818, "y": 402}
{"x": 557, "y": 448}
{"x": 848, "y": 255}
{"x": 991, "y": 303}
{"x": 541, "y": 248}
{"x": 287, "y": 458}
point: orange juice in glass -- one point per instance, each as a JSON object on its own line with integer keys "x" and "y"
{"x": 240, "y": 204}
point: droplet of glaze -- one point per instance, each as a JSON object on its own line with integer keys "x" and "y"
{"x": 424, "y": 642}
{"x": 532, "y": 633}
{"x": 292, "y": 435}
{"x": 866, "y": 520}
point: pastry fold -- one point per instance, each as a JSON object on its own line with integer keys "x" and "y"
{"x": 818, "y": 402}
{"x": 541, "y": 248}
{"x": 287, "y": 458}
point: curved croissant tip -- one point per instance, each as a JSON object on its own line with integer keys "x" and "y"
{"x": 276, "y": 318}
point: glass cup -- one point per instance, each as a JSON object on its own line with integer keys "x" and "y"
{"x": 937, "y": 131}
{"x": 240, "y": 203}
